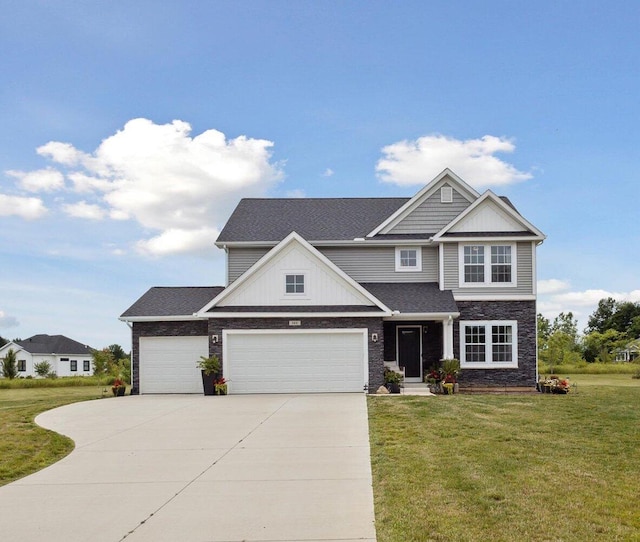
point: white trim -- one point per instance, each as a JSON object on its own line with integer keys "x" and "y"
{"x": 415, "y": 269}
{"x": 432, "y": 316}
{"x": 298, "y": 314}
{"x": 494, "y": 297}
{"x": 262, "y": 262}
{"x": 177, "y": 318}
{"x": 305, "y": 285}
{"x": 513, "y": 214}
{"x": 441, "y": 267}
{"x": 463, "y": 188}
{"x": 365, "y": 344}
{"x": 487, "y": 266}
{"x": 426, "y": 241}
{"x": 488, "y": 353}
{"x": 411, "y": 378}
{"x": 489, "y": 239}
{"x": 534, "y": 271}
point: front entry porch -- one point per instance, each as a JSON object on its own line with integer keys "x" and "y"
{"x": 417, "y": 346}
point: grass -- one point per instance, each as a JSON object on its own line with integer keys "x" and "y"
{"x": 24, "y": 446}
{"x": 62, "y": 382}
{"x": 509, "y": 467}
{"x": 591, "y": 368}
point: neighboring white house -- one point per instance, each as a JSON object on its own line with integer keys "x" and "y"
{"x": 66, "y": 356}
{"x": 630, "y": 352}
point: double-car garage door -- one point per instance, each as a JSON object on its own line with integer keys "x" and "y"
{"x": 260, "y": 361}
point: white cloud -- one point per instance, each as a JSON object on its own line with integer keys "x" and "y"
{"x": 8, "y": 321}
{"x": 551, "y": 286}
{"x": 166, "y": 180}
{"x": 555, "y": 296}
{"x": 416, "y": 162}
{"x": 28, "y": 208}
{"x": 178, "y": 241}
{"x": 328, "y": 172}
{"x": 83, "y": 209}
{"x": 41, "y": 180}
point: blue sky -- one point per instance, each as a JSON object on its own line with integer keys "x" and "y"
{"x": 131, "y": 129}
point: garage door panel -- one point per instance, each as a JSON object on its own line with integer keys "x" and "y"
{"x": 168, "y": 364}
{"x": 295, "y": 362}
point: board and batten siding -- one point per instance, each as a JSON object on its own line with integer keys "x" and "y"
{"x": 378, "y": 264}
{"x": 363, "y": 264}
{"x": 432, "y": 215}
{"x": 524, "y": 273}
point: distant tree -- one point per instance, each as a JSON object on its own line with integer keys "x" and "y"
{"x": 103, "y": 362}
{"x": 544, "y": 328}
{"x": 620, "y": 316}
{"x": 42, "y": 368}
{"x": 3, "y": 341}
{"x": 600, "y": 347}
{"x": 10, "y": 365}
{"x": 117, "y": 352}
{"x": 558, "y": 341}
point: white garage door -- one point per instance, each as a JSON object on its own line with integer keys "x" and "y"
{"x": 168, "y": 364}
{"x": 308, "y": 361}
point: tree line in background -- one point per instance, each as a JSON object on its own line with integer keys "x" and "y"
{"x": 610, "y": 327}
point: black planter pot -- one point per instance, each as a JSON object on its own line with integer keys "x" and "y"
{"x": 207, "y": 383}
{"x": 393, "y": 387}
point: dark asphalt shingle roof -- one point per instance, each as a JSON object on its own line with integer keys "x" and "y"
{"x": 315, "y": 219}
{"x": 54, "y": 344}
{"x": 172, "y": 301}
{"x": 420, "y": 297}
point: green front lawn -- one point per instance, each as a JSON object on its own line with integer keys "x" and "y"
{"x": 509, "y": 467}
{"x": 24, "y": 446}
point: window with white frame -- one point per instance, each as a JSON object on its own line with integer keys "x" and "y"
{"x": 408, "y": 259}
{"x": 489, "y": 344}
{"x": 487, "y": 265}
{"x": 294, "y": 284}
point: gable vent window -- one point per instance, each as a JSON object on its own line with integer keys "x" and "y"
{"x": 446, "y": 194}
{"x": 294, "y": 284}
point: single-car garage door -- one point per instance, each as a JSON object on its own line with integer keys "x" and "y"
{"x": 305, "y": 361}
{"x": 168, "y": 364}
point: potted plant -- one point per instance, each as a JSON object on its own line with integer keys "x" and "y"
{"x": 434, "y": 379}
{"x": 119, "y": 387}
{"x": 210, "y": 370}
{"x": 392, "y": 380}
{"x": 220, "y": 386}
{"x": 449, "y": 373}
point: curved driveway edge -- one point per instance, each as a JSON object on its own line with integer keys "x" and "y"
{"x": 194, "y": 468}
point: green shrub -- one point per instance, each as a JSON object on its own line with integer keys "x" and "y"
{"x": 42, "y": 368}
{"x": 58, "y": 382}
{"x": 10, "y": 365}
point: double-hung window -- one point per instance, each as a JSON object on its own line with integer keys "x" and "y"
{"x": 488, "y": 344}
{"x": 73, "y": 365}
{"x": 86, "y": 365}
{"x": 22, "y": 365}
{"x": 487, "y": 265}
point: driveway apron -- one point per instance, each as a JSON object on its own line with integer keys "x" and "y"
{"x": 194, "y": 468}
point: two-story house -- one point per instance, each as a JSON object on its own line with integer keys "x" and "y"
{"x": 321, "y": 292}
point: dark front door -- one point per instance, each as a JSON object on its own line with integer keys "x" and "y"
{"x": 409, "y": 349}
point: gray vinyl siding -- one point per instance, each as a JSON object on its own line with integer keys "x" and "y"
{"x": 241, "y": 259}
{"x": 524, "y": 273}
{"x": 378, "y": 264}
{"x": 432, "y": 215}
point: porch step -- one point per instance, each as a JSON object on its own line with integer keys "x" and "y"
{"x": 415, "y": 388}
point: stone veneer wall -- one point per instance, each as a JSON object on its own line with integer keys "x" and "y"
{"x": 524, "y": 312}
{"x": 159, "y": 329}
{"x": 374, "y": 325}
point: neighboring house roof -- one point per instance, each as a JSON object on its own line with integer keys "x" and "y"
{"x": 413, "y": 297}
{"x": 326, "y": 219}
{"x": 53, "y": 344}
{"x": 171, "y": 301}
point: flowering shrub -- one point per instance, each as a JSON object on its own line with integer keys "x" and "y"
{"x": 220, "y": 386}
{"x": 554, "y": 384}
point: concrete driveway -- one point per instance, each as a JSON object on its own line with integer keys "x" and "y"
{"x": 195, "y": 468}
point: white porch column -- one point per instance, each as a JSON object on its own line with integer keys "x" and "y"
{"x": 447, "y": 338}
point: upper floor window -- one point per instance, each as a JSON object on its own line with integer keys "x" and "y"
{"x": 408, "y": 259}
{"x": 294, "y": 284}
{"x": 487, "y": 265}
